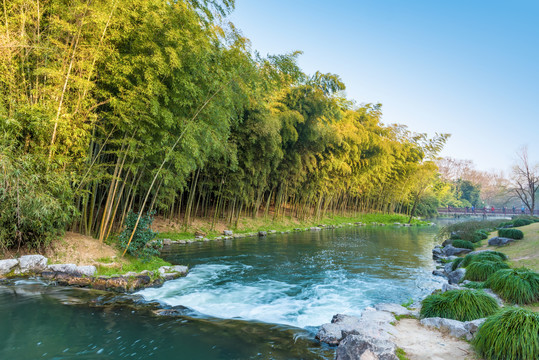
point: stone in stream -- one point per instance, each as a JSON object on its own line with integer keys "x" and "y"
{"x": 454, "y": 277}
{"x": 340, "y": 326}
{"x": 227, "y": 232}
{"x": 315, "y": 228}
{"x": 262, "y": 233}
{"x": 32, "y": 263}
{"x": 499, "y": 241}
{"x": 6, "y": 266}
{"x": 450, "y": 250}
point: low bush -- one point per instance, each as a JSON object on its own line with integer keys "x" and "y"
{"x": 475, "y": 285}
{"x": 464, "y": 244}
{"x": 511, "y": 334}
{"x": 511, "y": 233}
{"x": 518, "y": 286}
{"x": 139, "y": 246}
{"x": 483, "y": 255}
{"x": 481, "y": 270}
{"x": 462, "y": 305}
{"x": 456, "y": 263}
{"x": 466, "y": 230}
{"x": 483, "y": 234}
{"x": 521, "y": 222}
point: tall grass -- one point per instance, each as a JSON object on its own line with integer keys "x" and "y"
{"x": 484, "y": 255}
{"x": 481, "y": 270}
{"x": 518, "y": 286}
{"x": 463, "y": 244}
{"x": 462, "y": 305}
{"x": 512, "y": 334}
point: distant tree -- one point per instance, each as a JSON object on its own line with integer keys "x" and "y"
{"x": 468, "y": 191}
{"x": 526, "y": 179}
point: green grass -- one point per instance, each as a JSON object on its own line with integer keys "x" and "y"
{"x": 462, "y": 305}
{"x": 481, "y": 270}
{"x": 484, "y": 255}
{"x": 475, "y": 285}
{"x": 456, "y": 263}
{"x": 524, "y": 252}
{"x": 512, "y": 334}
{"x": 511, "y": 234}
{"x": 463, "y": 244}
{"x": 249, "y": 225}
{"x": 517, "y": 286}
{"x": 401, "y": 354}
{"x": 134, "y": 264}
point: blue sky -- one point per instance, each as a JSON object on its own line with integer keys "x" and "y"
{"x": 468, "y": 68}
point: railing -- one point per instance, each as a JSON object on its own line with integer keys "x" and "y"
{"x": 486, "y": 211}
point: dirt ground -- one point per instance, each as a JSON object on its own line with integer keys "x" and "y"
{"x": 421, "y": 343}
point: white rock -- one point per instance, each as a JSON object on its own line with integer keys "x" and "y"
{"x": 456, "y": 328}
{"x": 32, "y": 263}
{"x": 6, "y": 266}
{"x": 393, "y": 308}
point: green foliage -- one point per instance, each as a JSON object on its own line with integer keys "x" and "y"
{"x": 482, "y": 234}
{"x": 512, "y": 334}
{"x": 518, "y": 286}
{"x": 521, "y": 222}
{"x": 462, "y": 305}
{"x": 482, "y": 269}
{"x": 464, "y": 244}
{"x": 466, "y": 230}
{"x": 456, "y": 263}
{"x": 475, "y": 285}
{"x": 140, "y": 246}
{"x": 134, "y": 265}
{"x": 35, "y": 204}
{"x": 511, "y": 233}
{"x": 483, "y": 255}
{"x": 401, "y": 354}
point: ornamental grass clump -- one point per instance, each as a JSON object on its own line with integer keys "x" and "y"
{"x": 522, "y": 222}
{"x": 511, "y": 233}
{"x": 462, "y": 305}
{"x": 481, "y": 270}
{"x": 483, "y": 255}
{"x": 518, "y": 286}
{"x": 456, "y": 263}
{"x": 463, "y": 244}
{"x": 512, "y": 334}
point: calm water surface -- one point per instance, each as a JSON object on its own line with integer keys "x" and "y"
{"x": 245, "y": 299}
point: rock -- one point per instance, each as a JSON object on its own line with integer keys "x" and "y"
{"x": 167, "y": 242}
{"x": 315, "y": 228}
{"x": 495, "y": 296}
{"x": 340, "y": 326}
{"x": 454, "y": 327}
{"x": 200, "y": 233}
{"x": 173, "y": 272}
{"x": 86, "y": 270}
{"x": 454, "y": 277}
{"x": 394, "y": 309}
{"x": 366, "y": 347}
{"x": 448, "y": 267}
{"x": 499, "y": 241}
{"x": 473, "y": 326}
{"x": 6, "y": 266}
{"x": 438, "y": 273}
{"x": 447, "y": 242}
{"x": 32, "y": 263}
{"x": 447, "y": 287}
{"x": 437, "y": 253}
{"x": 272, "y": 232}
{"x": 199, "y": 237}
{"x": 227, "y": 233}
{"x": 262, "y": 233}
{"x": 450, "y": 250}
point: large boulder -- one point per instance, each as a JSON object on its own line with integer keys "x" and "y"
{"x": 32, "y": 264}
{"x": 340, "y": 326}
{"x": 173, "y": 272}
{"x": 454, "y": 327}
{"x": 455, "y": 277}
{"x": 447, "y": 287}
{"x": 72, "y": 269}
{"x": 227, "y": 232}
{"x": 473, "y": 326}
{"x": 450, "y": 250}
{"x": 394, "y": 309}
{"x": 499, "y": 241}
{"x": 6, "y": 266}
{"x": 437, "y": 253}
{"x": 366, "y": 347}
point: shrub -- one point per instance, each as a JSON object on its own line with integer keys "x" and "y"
{"x": 466, "y": 229}
{"x": 519, "y": 286}
{"x": 481, "y": 270}
{"x": 462, "y": 305}
{"x": 483, "y": 255}
{"x": 456, "y": 263}
{"x": 511, "y": 334}
{"x": 521, "y": 222}
{"x": 511, "y": 233}
{"x": 464, "y": 244}
{"x": 482, "y": 234}
{"x": 36, "y": 203}
{"x": 139, "y": 246}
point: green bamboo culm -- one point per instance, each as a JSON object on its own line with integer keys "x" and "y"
{"x": 481, "y": 270}
{"x": 484, "y": 255}
{"x": 462, "y": 305}
{"x": 512, "y": 334}
{"x": 517, "y": 286}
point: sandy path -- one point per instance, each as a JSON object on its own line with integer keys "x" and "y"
{"x": 421, "y": 343}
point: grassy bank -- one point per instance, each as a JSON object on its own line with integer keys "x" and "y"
{"x": 173, "y": 231}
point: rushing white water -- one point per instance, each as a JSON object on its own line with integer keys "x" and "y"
{"x": 301, "y": 287}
